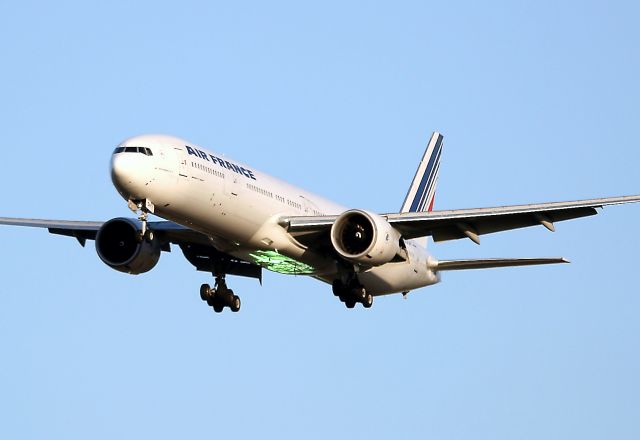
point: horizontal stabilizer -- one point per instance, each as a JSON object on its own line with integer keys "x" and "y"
{"x": 492, "y": 262}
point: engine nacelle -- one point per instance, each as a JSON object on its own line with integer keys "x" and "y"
{"x": 119, "y": 246}
{"x": 364, "y": 237}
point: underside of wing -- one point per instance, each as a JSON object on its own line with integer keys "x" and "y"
{"x": 471, "y": 223}
{"x": 87, "y": 230}
{"x": 466, "y": 223}
{"x": 81, "y": 230}
{"x": 196, "y": 247}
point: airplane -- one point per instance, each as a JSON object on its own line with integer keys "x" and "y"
{"x": 230, "y": 219}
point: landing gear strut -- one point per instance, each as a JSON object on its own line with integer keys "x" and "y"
{"x": 145, "y": 233}
{"x": 352, "y": 293}
{"x": 220, "y": 296}
{"x": 144, "y": 207}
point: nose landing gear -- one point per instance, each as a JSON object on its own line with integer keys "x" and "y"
{"x": 144, "y": 207}
{"x": 220, "y": 296}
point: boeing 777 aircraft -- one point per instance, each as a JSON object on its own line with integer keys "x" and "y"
{"x": 231, "y": 219}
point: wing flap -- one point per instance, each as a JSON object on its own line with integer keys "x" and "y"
{"x": 448, "y": 225}
{"x": 500, "y": 223}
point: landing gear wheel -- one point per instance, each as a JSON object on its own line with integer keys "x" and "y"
{"x": 359, "y": 293}
{"x": 235, "y": 303}
{"x": 205, "y": 292}
{"x": 220, "y": 296}
{"x": 368, "y": 301}
{"x": 350, "y": 303}
{"x": 338, "y": 287}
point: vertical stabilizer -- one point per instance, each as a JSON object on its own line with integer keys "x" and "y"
{"x": 422, "y": 191}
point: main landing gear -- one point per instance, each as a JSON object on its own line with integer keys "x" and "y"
{"x": 352, "y": 293}
{"x": 220, "y": 296}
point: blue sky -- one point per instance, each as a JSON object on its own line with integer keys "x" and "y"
{"x": 538, "y": 101}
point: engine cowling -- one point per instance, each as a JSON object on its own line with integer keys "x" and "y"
{"x": 119, "y": 247}
{"x": 365, "y": 238}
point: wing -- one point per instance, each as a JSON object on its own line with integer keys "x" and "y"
{"x": 197, "y": 247}
{"x": 87, "y": 230}
{"x": 469, "y": 223}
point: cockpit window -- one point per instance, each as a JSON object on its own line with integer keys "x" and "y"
{"x": 144, "y": 150}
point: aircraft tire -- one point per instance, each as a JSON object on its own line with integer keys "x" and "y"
{"x": 338, "y": 288}
{"x": 235, "y": 304}
{"x": 205, "y": 292}
{"x": 359, "y": 293}
{"x": 368, "y": 301}
{"x": 217, "y": 307}
{"x": 350, "y": 303}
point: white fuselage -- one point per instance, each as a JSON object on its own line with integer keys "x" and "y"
{"x": 239, "y": 209}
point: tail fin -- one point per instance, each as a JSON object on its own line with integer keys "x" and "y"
{"x": 422, "y": 191}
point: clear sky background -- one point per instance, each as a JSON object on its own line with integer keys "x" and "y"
{"x": 538, "y": 101}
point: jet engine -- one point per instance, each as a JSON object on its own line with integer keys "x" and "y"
{"x": 365, "y": 238}
{"x": 120, "y": 246}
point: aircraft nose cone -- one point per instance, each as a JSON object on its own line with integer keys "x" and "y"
{"x": 120, "y": 169}
{"x": 127, "y": 175}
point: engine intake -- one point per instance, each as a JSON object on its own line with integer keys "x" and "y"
{"x": 364, "y": 237}
{"x": 119, "y": 246}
